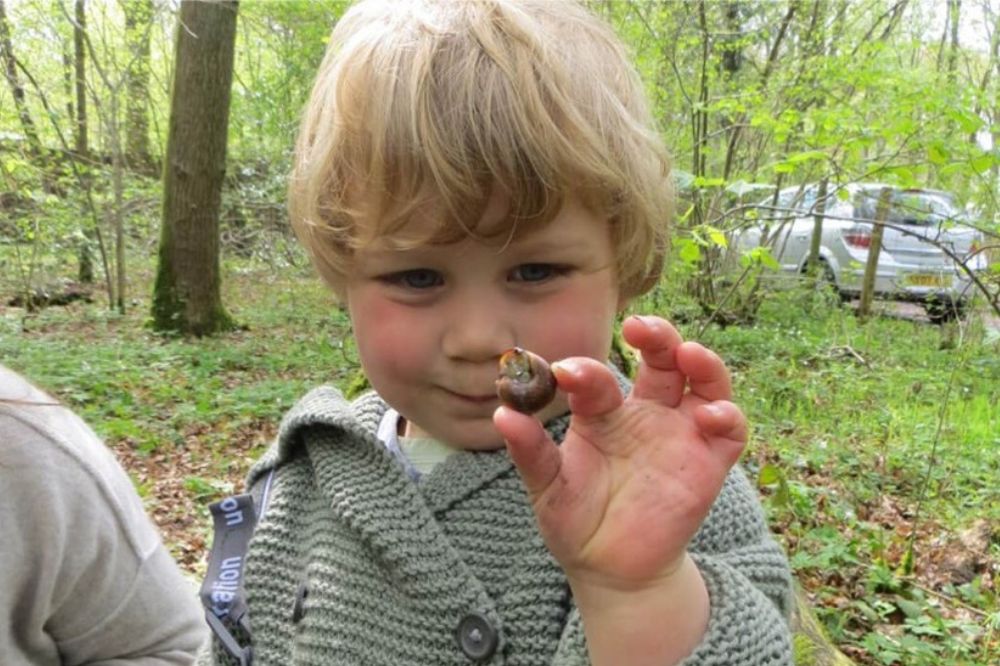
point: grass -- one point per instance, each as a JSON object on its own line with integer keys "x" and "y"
{"x": 134, "y": 383}
{"x": 875, "y": 444}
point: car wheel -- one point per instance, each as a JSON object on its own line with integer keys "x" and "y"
{"x": 940, "y": 312}
{"x": 827, "y": 280}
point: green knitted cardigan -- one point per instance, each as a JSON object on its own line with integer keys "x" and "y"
{"x": 392, "y": 565}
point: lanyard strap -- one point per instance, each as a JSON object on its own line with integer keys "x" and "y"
{"x": 222, "y": 593}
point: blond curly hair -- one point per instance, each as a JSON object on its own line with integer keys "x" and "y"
{"x": 429, "y": 105}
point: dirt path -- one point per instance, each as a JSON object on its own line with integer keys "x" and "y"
{"x": 914, "y": 312}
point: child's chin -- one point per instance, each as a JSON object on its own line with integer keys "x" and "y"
{"x": 478, "y": 441}
{"x": 493, "y": 446}
{"x": 477, "y": 434}
{"x": 490, "y": 443}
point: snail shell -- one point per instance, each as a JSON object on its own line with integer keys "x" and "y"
{"x": 525, "y": 382}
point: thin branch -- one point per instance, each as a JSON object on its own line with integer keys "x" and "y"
{"x": 76, "y": 172}
{"x": 891, "y": 14}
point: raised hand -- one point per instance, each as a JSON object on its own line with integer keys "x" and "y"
{"x": 619, "y": 500}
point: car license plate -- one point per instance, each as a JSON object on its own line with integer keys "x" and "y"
{"x": 927, "y": 280}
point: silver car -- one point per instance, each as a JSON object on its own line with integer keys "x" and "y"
{"x": 925, "y": 238}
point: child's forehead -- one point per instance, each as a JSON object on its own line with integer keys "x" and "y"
{"x": 420, "y": 232}
{"x": 430, "y": 222}
{"x": 567, "y": 228}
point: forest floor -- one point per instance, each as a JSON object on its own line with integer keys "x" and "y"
{"x": 914, "y": 312}
{"x": 875, "y": 445}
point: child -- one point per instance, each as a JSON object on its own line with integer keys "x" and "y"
{"x": 471, "y": 176}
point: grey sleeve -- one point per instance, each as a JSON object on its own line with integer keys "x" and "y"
{"x": 748, "y": 579}
{"x": 157, "y": 622}
{"x": 86, "y": 579}
{"x": 206, "y": 655}
{"x": 572, "y": 650}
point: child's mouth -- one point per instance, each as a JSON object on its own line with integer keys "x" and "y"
{"x": 474, "y": 399}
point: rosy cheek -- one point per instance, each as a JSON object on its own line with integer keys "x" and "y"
{"x": 387, "y": 338}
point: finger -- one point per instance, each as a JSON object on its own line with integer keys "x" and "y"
{"x": 707, "y": 376}
{"x": 658, "y": 377}
{"x": 590, "y": 387}
{"x": 724, "y": 426}
{"x": 534, "y": 453}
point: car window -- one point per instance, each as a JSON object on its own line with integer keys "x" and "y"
{"x": 913, "y": 207}
{"x": 922, "y": 208}
{"x": 798, "y": 200}
{"x": 839, "y": 209}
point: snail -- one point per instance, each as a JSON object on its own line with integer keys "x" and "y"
{"x": 525, "y": 382}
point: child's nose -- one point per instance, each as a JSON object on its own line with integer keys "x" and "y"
{"x": 479, "y": 329}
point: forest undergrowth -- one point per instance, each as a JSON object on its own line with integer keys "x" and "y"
{"x": 876, "y": 446}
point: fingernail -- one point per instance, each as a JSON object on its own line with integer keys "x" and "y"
{"x": 714, "y": 410}
{"x": 648, "y": 322}
{"x": 568, "y": 366}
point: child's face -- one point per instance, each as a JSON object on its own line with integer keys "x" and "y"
{"x": 431, "y": 322}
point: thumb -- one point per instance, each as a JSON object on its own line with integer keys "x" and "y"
{"x": 534, "y": 453}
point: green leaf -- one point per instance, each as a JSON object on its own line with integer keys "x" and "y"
{"x": 689, "y": 251}
{"x": 870, "y": 614}
{"x": 769, "y": 475}
{"x": 717, "y": 237}
{"x": 702, "y": 182}
{"x": 953, "y": 168}
{"x": 202, "y": 488}
{"x": 806, "y": 156}
{"x": 905, "y": 567}
{"x": 982, "y": 163}
{"x": 763, "y": 256}
{"x": 937, "y": 155}
{"x": 909, "y": 608}
{"x": 783, "y": 498}
{"x": 904, "y": 174}
{"x": 968, "y": 121}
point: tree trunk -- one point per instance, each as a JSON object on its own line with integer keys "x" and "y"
{"x": 955, "y": 11}
{"x": 67, "y": 61}
{"x": 982, "y": 96}
{"x": 79, "y": 30}
{"x": 874, "y": 250}
{"x": 85, "y": 272}
{"x": 138, "y": 20}
{"x": 817, "y": 234}
{"x": 732, "y": 50}
{"x": 16, "y": 91}
{"x": 947, "y": 57}
{"x": 186, "y": 295}
{"x": 811, "y": 646}
{"x": 118, "y": 190}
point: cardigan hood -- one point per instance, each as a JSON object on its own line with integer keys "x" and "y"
{"x": 393, "y": 567}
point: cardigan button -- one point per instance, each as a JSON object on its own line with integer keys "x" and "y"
{"x": 299, "y": 609}
{"x": 476, "y": 636}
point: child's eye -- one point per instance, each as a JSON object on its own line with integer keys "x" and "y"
{"x": 417, "y": 278}
{"x": 536, "y": 272}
